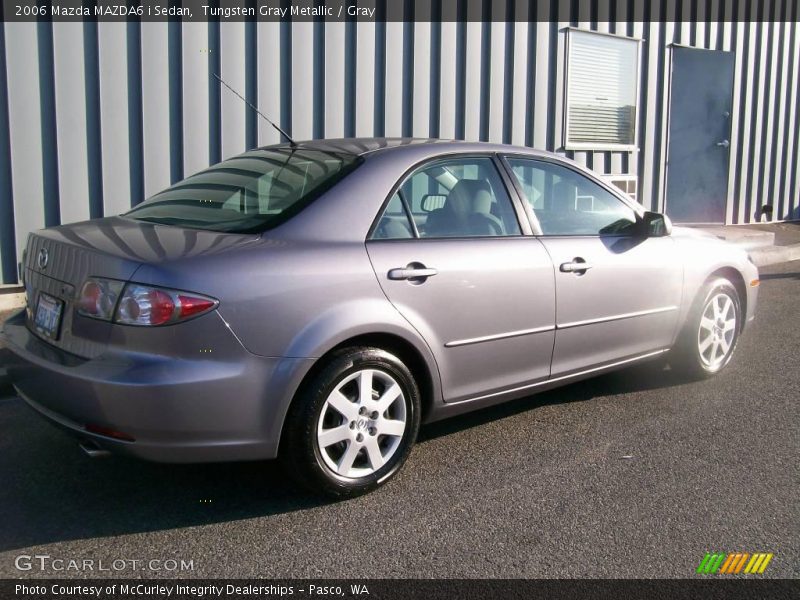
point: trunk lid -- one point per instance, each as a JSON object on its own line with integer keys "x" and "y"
{"x": 58, "y": 260}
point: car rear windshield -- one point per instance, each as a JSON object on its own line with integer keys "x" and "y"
{"x": 249, "y": 193}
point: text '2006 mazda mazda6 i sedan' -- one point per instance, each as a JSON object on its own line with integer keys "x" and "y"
{"x": 318, "y": 301}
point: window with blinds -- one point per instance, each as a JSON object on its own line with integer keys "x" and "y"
{"x": 602, "y": 80}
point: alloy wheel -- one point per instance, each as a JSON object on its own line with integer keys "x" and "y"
{"x": 717, "y": 330}
{"x": 362, "y": 423}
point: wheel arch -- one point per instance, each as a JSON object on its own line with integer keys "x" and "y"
{"x": 422, "y": 367}
{"x": 733, "y": 275}
{"x": 683, "y": 355}
{"x": 695, "y": 281}
{"x": 405, "y": 351}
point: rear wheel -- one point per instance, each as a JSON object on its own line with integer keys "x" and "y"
{"x": 708, "y": 340}
{"x": 351, "y": 428}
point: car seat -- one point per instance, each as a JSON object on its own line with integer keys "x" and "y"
{"x": 467, "y": 211}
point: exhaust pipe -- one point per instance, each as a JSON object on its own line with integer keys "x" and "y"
{"x": 92, "y": 450}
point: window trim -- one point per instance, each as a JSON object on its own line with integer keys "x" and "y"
{"x": 407, "y": 211}
{"x": 517, "y": 202}
{"x": 637, "y": 208}
{"x": 600, "y": 146}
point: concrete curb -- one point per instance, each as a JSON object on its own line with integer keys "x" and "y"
{"x": 749, "y": 239}
{"x": 12, "y": 301}
{"x": 773, "y": 255}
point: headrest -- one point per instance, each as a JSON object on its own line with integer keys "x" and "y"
{"x": 467, "y": 195}
{"x": 482, "y": 202}
{"x": 565, "y": 194}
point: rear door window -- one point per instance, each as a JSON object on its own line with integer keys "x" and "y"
{"x": 455, "y": 197}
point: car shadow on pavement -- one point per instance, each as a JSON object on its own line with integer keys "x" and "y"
{"x": 639, "y": 378}
{"x": 51, "y": 492}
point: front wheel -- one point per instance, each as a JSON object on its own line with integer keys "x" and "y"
{"x": 708, "y": 339}
{"x": 352, "y": 426}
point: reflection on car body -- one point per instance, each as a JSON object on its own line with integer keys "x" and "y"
{"x": 317, "y": 302}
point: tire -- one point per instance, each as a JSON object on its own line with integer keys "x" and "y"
{"x": 348, "y": 430}
{"x": 708, "y": 339}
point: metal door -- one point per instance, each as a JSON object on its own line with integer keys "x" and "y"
{"x": 624, "y": 306}
{"x": 617, "y": 292}
{"x": 701, "y": 95}
{"x": 487, "y": 310}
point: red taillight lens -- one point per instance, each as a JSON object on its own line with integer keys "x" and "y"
{"x": 162, "y": 307}
{"x": 108, "y": 432}
{"x": 145, "y": 305}
{"x": 99, "y": 297}
{"x": 191, "y": 305}
{"x": 90, "y": 296}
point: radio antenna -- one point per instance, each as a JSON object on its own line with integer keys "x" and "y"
{"x": 292, "y": 143}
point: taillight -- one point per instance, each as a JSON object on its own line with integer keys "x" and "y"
{"x": 192, "y": 305}
{"x": 99, "y": 298}
{"x": 137, "y": 304}
{"x": 145, "y": 305}
{"x": 108, "y": 432}
{"x": 142, "y": 305}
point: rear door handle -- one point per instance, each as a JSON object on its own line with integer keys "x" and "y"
{"x": 576, "y": 266}
{"x": 411, "y": 272}
{"x": 724, "y": 143}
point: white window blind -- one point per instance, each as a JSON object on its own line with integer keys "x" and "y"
{"x": 603, "y": 74}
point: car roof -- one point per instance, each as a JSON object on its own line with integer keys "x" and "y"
{"x": 373, "y": 145}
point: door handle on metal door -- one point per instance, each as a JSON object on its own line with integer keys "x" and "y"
{"x": 412, "y": 272}
{"x": 578, "y": 265}
{"x": 724, "y": 143}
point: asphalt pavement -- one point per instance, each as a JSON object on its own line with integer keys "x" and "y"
{"x": 633, "y": 474}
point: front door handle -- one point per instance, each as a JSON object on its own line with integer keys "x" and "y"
{"x": 413, "y": 272}
{"x": 724, "y": 143}
{"x": 577, "y": 266}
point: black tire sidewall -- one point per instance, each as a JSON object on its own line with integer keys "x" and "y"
{"x": 301, "y": 451}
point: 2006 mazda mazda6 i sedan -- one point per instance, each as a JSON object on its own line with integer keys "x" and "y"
{"x": 318, "y": 301}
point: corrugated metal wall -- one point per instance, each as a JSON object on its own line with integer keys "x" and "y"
{"x": 97, "y": 116}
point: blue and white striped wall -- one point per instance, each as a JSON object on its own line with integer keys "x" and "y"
{"x": 94, "y": 117}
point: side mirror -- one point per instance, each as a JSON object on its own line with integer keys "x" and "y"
{"x": 656, "y": 224}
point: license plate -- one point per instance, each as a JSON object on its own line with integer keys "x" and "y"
{"x": 48, "y": 316}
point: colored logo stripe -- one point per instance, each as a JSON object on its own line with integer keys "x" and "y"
{"x": 758, "y": 563}
{"x": 711, "y": 563}
{"x": 734, "y": 563}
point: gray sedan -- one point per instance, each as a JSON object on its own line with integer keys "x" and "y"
{"x": 316, "y": 302}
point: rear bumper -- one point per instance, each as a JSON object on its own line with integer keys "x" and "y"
{"x": 176, "y": 409}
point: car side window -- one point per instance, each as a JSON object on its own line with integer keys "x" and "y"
{"x": 568, "y": 203}
{"x": 457, "y": 197}
{"x": 394, "y": 223}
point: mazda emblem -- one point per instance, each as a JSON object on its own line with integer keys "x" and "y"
{"x": 42, "y": 259}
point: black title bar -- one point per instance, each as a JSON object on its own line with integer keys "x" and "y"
{"x": 711, "y": 588}
{"x": 571, "y": 12}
